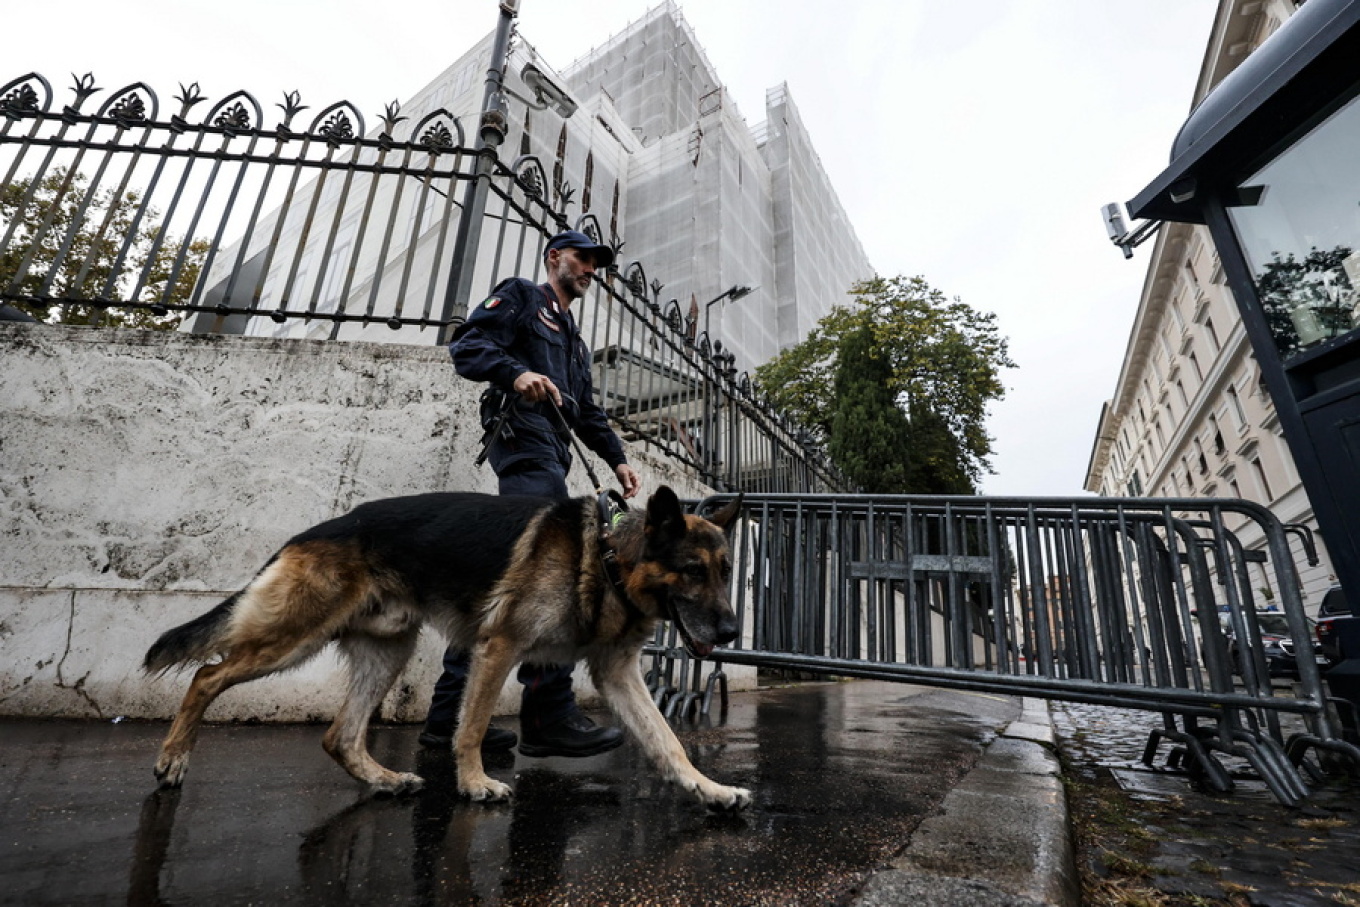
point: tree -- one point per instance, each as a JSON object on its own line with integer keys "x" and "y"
{"x": 936, "y": 461}
{"x": 941, "y": 367}
{"x": 76, "y": 254}
{"x": 870, "y": 437}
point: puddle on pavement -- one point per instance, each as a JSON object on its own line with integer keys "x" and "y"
{"x": 842, "y": 773}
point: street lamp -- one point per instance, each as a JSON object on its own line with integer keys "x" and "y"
{"x": 736, "y": 292}
{"x": 491, "y": 131}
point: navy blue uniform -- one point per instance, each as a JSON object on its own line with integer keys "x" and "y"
{"x": 522, "y": 327}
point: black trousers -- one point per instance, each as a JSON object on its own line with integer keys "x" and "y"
{"x": 547, "y": 697}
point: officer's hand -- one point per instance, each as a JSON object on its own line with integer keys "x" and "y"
{"x": 535, "y": 388}
{"x": 628, "y": 480}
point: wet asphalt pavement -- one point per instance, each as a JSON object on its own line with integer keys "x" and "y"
{"x": 842, "y": 773}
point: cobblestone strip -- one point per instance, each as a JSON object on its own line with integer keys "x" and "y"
{"x": 1149, "y": 837}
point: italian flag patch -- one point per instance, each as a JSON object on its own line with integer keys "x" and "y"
{"x": 492, "y": 302}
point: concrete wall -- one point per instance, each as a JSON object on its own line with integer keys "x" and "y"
{"x": 145, "y": 476}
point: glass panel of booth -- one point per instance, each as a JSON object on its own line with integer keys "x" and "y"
{"x": 1298, "y": 222}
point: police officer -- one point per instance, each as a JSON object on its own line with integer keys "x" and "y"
{"x": 525, "y": 343}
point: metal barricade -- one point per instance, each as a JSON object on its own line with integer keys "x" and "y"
{"x": 1156, "y": 604}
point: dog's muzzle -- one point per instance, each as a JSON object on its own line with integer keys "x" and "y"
{"x": 725, "y": 632}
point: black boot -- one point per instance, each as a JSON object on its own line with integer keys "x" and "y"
{"x": 439, "y": 736}
{"x": 574, "y": 735}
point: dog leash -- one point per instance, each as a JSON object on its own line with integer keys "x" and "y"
{"x": 609, "y": 502}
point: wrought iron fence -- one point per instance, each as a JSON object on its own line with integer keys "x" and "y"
{"x": 1149, "y": 604}
{"x": 135, "y": 212}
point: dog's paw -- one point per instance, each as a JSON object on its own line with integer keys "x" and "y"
{"x": 170, "y": 770}
{"x": 485, "y": 789}
{"x": 397, "y": 784}
{"x": 720, "y": 797}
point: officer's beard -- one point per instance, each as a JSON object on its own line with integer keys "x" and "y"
{"x": 574, "y": 286}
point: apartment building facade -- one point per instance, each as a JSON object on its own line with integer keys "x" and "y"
{"x": 1190, "y": 415}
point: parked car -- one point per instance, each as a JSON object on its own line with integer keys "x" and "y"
{"x": 1277, "y": 645}
{"x": 1332, "y": 610}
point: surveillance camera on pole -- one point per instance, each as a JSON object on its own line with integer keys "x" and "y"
{"x": 540, "y": 92}
{"x": 546, "y": 92}
{"x": 1120, "y": 235}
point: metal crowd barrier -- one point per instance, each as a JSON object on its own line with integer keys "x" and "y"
{"x": 1153, "y": 604}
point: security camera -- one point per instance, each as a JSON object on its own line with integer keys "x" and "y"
{"x": 1120, "y": 234}
{"x": 546, "y": 92}
{"x": 1114, "y": 221}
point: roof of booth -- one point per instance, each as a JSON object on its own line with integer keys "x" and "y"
{"x": 1306, "y": 63}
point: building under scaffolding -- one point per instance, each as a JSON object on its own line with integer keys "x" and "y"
{"x": 654, "y": 150}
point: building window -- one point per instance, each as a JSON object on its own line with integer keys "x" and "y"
{"x": 1299, "y": 237}
{"x": 559, "y": 176}
{"x": 1235, "y": 407}
{"x": 590, "y": 177}
{"x": 1213, "y": 334}
{"x": 1261, "y": 479}
{"x": 1166, "y": 347}
{"x": 1194, "y": 367}
{"x": 614, "y": 212}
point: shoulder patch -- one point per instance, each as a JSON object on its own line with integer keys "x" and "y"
{"x": 491, "y": 302}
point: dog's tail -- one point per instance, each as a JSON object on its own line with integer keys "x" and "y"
{"x": 195, "y": 642}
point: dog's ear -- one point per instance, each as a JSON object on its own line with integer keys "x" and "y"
{"x": 724, "y": 518}
{"x": 665, "y": 518}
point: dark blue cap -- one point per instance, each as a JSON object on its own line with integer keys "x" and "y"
{"x": 575, "y": 239}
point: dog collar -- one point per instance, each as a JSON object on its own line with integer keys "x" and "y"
{"x": 612, "y": 508}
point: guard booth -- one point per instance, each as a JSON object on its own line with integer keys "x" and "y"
{"x": 1270, "y": 163}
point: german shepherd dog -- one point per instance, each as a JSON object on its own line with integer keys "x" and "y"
{"x": 509, "y": 578}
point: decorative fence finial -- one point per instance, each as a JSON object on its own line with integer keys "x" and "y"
{"x": 292, "y": 105}
{"x": 83, "y": 88}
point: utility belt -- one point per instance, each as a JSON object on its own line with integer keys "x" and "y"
{"x": 494, "y": 411}
{"x": 497, "y": 410}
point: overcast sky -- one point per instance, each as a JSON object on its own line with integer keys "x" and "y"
{"x": 971, "y": 142}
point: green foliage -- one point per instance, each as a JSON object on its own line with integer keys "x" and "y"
{"x": 939, "y": 362}
{"x": 938, "y": 465}
{"x": 77, "y": 255}
{"x": 870, "y": 437}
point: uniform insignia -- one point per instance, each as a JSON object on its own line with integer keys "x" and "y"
{"x": 549, "y": 320}
{"x": 492, "y": 302}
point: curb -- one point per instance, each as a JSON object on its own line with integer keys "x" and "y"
{"x": 1001, "y": 837}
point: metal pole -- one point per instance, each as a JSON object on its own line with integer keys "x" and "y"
{"x": 708, "y": 305}
{"x": 490, "y": 134}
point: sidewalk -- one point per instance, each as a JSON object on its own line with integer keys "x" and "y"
{"x": 1146, "y": 835}
{"x": 865, "y": 793}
